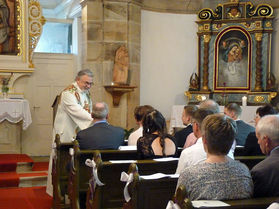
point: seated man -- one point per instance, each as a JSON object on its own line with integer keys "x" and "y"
{"x": 180, "y": 136}
{"x": 233, "y": 110}
{"x": 251, "y": 145}
{"x": 265, "y": 174}
{"x": 139, "y": 113}
{"x": 218, "y": 177}
{"x": 208, "y": 104}
{"x": 100, "y": 135}
{"x": 195, "y": 154}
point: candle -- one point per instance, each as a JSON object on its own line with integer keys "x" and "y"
{"x": 244, "y": 101}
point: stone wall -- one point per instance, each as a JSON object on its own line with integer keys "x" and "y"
{"x": 107, "y": 25}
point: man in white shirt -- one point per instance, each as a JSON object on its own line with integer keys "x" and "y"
{"x": 73, "y": 113}
{"x": 139, "y": 113}
{"x": 195, "y": 154}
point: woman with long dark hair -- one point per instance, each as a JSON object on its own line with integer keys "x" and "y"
{"x": 155, "y": 142}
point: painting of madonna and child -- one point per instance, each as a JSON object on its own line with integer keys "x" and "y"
{"x": 233, "y": 61}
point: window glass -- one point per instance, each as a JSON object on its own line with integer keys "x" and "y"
{"x": 56, "y": 38}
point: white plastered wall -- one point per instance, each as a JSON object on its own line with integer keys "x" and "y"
{"x": 168, "y": 58}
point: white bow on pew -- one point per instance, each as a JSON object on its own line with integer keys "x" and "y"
{"x": 92, "y": 164}
{"x": 172, "y": 205}
{"x": 126, "y": 178}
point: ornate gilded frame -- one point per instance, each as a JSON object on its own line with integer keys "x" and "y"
{"x": 256, "y": 25}
{"x": 29, "y": 22}
{"x": 231, "y": 72}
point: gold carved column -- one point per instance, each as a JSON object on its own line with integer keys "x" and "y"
{"x": 258, "y": 85}
{"x": 205, "y": 62}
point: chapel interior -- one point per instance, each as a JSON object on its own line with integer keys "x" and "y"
{"x": 162, "y": 43}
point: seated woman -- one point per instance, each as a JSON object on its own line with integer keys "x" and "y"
{"x": 218, "y": 177}
{"x": 251, "y": 146}
{"x": 155, "y": 141}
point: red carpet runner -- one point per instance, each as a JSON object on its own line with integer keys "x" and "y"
{"x": 11, "y": 179}
{"x": 8, "y": 162}
{"x": 25, "y": 198}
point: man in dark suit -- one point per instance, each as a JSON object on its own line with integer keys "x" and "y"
{"x": 265, "y": 174}
{"x": 233, "y": 110}
{"x": 100, "y": 135}
{"x": 180, "y": 136}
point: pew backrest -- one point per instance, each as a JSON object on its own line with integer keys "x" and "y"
{"x": 250, "y": 161}
{"x": 111, "y": 194}
{"x": 252, "y": 203}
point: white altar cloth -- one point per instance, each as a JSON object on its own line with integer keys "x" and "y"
{"x": 15, "y": 110}
{"x": 248, "y": 114}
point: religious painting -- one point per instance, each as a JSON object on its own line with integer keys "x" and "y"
{"x": 8, "y": 30}
{"x": 232, "y": 59}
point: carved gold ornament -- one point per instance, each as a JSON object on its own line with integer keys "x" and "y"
{"x": 188, "y": 94}
{"x": 36, "y": 22}
{"x": 206, "y": 38}
{"x": 268, "y": 24}
{"x": 258, "y": 99}
{"x": 200, "y": 98}
{"x": 272, "y": 95}
{"x": 259, "y": 36}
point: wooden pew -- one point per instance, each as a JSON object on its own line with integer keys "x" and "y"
{"x": 250, "y": 161}
{"x": 111, "y": 194}
{"x": 150, "y": 193}
{"x": 252, "y": 203}
{"x": 59, "y": 173}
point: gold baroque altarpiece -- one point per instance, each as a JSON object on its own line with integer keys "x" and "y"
{"x": 234, "y": 60}
{"x": 23, "y": 23}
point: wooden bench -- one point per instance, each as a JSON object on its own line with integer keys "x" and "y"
{"x": 251, "y": 203}
{"x": 111, "y": 194}
{"x": 149, "y": 193}
{"x": 250, "y": 161}
{"x": 59, "y": 173}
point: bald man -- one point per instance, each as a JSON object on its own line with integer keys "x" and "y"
{"x": 101, "y": 135}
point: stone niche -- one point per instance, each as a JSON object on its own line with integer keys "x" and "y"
{"x": 234, "y": 43}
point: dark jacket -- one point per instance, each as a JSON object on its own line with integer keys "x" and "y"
{"x": 243, "y": 129}
{"x": 251, "y": 146}
{"x": 180, "y": 136}
{"x": 265, "y": 176}
{"x": 101, "y": 136}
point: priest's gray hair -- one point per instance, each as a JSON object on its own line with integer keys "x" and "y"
{"x": 87, "y": 72}
{"x": 100, "y": 110}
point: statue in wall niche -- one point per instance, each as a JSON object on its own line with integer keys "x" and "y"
{"x": 121, "y": 66}
{"x": 194, "y": 82}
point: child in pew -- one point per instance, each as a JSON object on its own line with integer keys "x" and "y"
{"x": 155, "y": 142}
{"x": 218, "y": 177}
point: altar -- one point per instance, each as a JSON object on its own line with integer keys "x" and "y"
{"x": 248, "y": 114}
{"x": 15, "y": 116}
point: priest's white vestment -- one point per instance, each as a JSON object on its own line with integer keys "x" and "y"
{"x": 73, "y": 114}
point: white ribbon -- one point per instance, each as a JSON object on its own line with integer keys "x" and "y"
{"x": 92, "y": 164}
{"x": 126, "y": 178}
{"x": 71, "y": 151}
{"x": 172, "y": 205}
